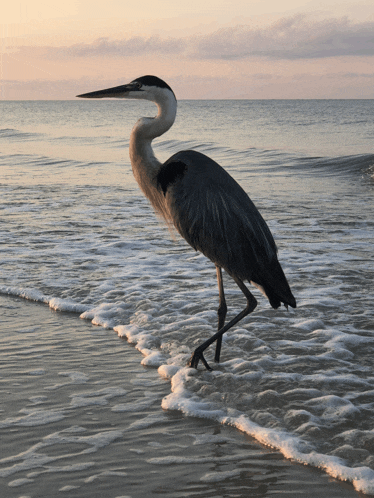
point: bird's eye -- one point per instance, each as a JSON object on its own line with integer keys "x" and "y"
{"x": 138, "y": 86}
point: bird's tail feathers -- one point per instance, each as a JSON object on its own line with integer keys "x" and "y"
{"x": 273, "y": 284}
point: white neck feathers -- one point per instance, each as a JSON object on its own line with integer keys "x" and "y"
{"x": 143, "y": 161}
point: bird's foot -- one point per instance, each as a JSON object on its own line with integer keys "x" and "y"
{"x": 196, "y": 357}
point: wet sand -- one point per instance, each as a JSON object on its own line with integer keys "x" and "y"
{"x": 81, "y": 417}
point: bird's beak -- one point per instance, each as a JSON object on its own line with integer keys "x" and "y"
{"x": 121, "y": 91}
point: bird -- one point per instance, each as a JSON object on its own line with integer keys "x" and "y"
{"x": 209, "y": 209}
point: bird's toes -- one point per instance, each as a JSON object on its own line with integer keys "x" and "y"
{"x": 195, "y": 358}
{"x": 193, "y": 361}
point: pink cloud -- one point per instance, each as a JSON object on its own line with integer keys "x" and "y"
{"x": 297, "y": 37}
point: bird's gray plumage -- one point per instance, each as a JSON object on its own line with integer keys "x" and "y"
{"x": 207, "y": 207}
{"x": 216, "y": 217}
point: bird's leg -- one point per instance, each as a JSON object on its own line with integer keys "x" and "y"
{"x": 222, "y": 311}
{"x": 251, "y": 305}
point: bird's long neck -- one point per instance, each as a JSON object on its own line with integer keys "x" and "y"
{"x": 144, "y": 164}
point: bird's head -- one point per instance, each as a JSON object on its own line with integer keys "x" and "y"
{"x": 145, "y": 87}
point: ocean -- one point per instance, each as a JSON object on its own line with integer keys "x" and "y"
{"x": 102, "y": 306}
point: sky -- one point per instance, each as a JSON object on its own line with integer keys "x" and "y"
{"x": 204, "y": 49}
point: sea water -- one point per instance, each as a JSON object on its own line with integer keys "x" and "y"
{"x": 77, "y": 234}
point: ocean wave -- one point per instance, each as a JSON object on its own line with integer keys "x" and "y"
{"x": 275, "y": 160}
{"x": 15, "y": 134}
{"x": 331, "y": 166}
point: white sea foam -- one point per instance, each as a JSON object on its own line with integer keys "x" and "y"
{"x": 149, "y": 399}
{"x": 33, "y": 418}
{"x": 74, "y": 378}
{"x": 107, "y": 473}
{"x": 37, "y": 371}
{"x": 200, "y": 394}
{"x": 34, "y": 458}
{"x": 66, "y": 305}
{"x": 53, "y": 302}
{"x": 146, "y": 422}
{"x": 30, "y": 294}
{"x": 220, "y": 476}
{"x": 19, "y": 482}
{"x": 68, "y": 487}
{"x": 100, "y": 397}
{"x": 182, "y": 460}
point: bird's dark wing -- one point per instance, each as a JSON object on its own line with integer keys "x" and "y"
{"x": 216, "y": 217}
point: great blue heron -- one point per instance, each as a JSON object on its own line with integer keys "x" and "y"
{"x": 207, "y": 207}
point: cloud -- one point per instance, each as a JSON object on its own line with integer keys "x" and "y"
{"x": 104, "y": 47}
{"x": 292, "y": 38}
{"x": 134, "y": 46}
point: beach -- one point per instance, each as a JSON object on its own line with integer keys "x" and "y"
{"x": 82, "y": 417}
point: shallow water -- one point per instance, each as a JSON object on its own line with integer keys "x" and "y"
{"x": 82, "y": 417}
{"x": 77, "y": 235}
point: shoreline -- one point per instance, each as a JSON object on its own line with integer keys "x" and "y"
{"x": 81, "y": 415}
